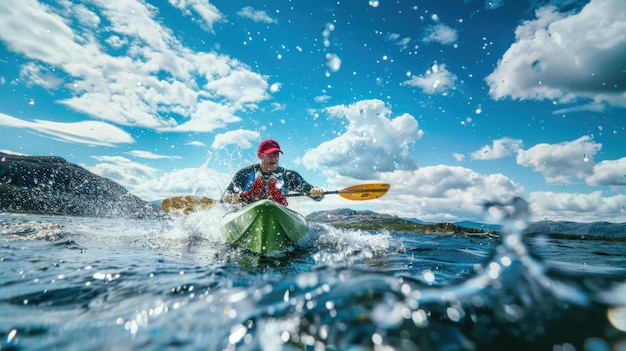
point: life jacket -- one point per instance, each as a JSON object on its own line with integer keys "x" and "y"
{"x": 278, "y": 174}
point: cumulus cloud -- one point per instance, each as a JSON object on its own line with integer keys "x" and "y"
{"x": 122, "y": 170}
{"x": 440, "y": 33}
{"x": 611, "y": 172}
{"x": 240, "y": 137}
{"x": 153, "y": 82}
{"x": 88, "y": 132}
{"x": 550, "y": 59}
{"x": 208, "y": 13}
{"x": 373, "y": 142}
{"x": 500, "y": 148}
{"x": 436, "y": 80}
{"x": 579, "y": 207}
{"x": 444, "y": 192}
{"x": 560, "y": 163}
{"x": 146, "y": 182}
{"x": 255, "y": 15}
{"x": 35, "y": 74}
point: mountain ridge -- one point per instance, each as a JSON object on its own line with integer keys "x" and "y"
{"x": 348, "y": 218}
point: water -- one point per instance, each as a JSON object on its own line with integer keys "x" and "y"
{"x": 83, "y": 283}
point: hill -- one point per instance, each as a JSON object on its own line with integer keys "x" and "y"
{"x": 579, "y": 231}
{"x": 51, "y": 185}
{"x": 368, "y": 220}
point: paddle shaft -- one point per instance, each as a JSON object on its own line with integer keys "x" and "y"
{"x": 189, "y": 203}
{"x": 344, "y": 191}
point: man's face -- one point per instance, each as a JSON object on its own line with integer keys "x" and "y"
{"x": 269, "y": 162}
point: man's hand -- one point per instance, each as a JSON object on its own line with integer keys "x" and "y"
{"x": 232, "y": 198}
{"x": 256, "y": 190}
{"x": 316, "y": 193}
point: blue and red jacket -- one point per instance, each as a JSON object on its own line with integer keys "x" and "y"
{"x": 287, "y": 180}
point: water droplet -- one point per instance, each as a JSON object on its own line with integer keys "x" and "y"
{"x": 374, "y": 3}
{"x": 138, "y": 84}
{"x": 31, "y": 102}
{"x": 333, "y": 62}
{"x": 585, "y": 158}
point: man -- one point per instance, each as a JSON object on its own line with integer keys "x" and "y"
{"x": 267, "y": 180}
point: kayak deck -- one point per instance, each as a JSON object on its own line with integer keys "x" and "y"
{"x": 264, "y": 227}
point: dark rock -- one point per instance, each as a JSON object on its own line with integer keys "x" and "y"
{"x": 51, "y": 185}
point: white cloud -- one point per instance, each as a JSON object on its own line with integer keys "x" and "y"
{"x": 255, "y": 15}
{"x": 443, "y": 193}
{"x": 552, "y": 60}
{"x": 35, "y": 74}
{"x": 437, "y": 80}
{"x": 561, "y": 162}
{"x": 322, "y": 98}
{"x": 501, "y": 148}
{"x": 395, "y": 38}
{"x": 122, "y": 170}
{"x": 196, "y": 143}
{"x": 612, "y": 173}
{"x": 88, "y": 132}
{"x": 577, "y": 207}
{"x": 372, "y": 143}
{"x": 241, "y": 87}
{"x": 241, "y": 138}
{"x": 458, "y": 157}
{"x": 208, "y": 12}
{"x": 155, "y": 83}
{"x": 276, "y": 106}
{"x": 150, "y": 155}
{"x": 143, "y": 181}
{"x": 440, "y": 33}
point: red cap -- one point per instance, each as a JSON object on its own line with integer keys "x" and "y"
{"x": 268, "y": 146}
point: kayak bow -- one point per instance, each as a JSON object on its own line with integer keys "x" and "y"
{"x": 264, "y": 227}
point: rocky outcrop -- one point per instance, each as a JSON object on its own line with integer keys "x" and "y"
{"x": 51, "y": 185}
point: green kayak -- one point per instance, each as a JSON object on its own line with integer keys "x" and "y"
{"x": 264, "y": 227}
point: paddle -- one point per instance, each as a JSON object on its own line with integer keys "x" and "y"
{"x": 357, "y": 192}
{"x": 190, "y": 203}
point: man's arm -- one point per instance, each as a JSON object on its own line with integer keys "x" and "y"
{"x": 296, "y": 183}
{"x": 237, "y": 185}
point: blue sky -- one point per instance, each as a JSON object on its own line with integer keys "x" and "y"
{"x": 453, "y": 102}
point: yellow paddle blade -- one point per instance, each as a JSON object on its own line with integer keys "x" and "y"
{"x": 364, "y": 192}
{"x": 186, "y": 204}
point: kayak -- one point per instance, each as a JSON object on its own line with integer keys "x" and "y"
{"x": 264, "y": 227}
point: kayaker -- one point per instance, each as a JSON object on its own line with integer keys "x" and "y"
{"x": 267, "y": 180}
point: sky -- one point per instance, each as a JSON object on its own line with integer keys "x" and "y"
{"x": 454, "y": 103}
